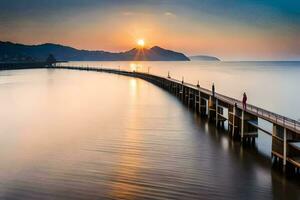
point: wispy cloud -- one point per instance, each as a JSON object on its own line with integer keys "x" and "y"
{"x": 128, "y": 13}
{"x": 170, "y": 14}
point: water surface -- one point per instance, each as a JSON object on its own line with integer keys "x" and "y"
{"x": 271, "y": 85}
{"x": 87, "y": 135}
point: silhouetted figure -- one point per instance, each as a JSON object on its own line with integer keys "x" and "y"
{"x": 50, "y": 60}
{"x": 213, "y": 90}
{"x": 244, "y": 101}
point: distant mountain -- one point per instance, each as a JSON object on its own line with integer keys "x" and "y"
{"x": 20, "y": 52}
{"x": 204, "y": 58}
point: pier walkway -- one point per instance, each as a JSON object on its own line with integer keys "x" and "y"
{"x": 242, "y": 124}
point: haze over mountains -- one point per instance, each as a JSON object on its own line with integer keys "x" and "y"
{"x": 204, "y": 58}
{"x": 19, "y": 52}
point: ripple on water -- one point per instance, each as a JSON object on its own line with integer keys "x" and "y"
{"x": 97, "y": 136}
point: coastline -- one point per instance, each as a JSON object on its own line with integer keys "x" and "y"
{"x": 21, "y": 65}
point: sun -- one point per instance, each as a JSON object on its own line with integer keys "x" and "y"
{"x": 141, "y": 42}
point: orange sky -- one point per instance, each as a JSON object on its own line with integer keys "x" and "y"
{"x": 183, "y": 28}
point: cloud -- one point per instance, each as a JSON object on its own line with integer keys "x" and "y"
{"x": 128, "y": 13}
{"x": 169, "y": 14}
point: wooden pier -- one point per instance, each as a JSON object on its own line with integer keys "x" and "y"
{"x": 242, "y": 124}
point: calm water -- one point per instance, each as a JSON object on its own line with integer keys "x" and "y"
{"x": 87, "y": 135}
{"x": 270, "y": 85}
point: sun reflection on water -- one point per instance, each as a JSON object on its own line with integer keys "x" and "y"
{"x": 137, "y": 67}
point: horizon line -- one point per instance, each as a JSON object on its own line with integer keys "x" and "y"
{"x": 136, "y": 47}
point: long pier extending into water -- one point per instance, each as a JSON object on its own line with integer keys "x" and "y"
{"x": 242, "y": 123}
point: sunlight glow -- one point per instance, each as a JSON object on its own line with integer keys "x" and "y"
{"x": 141, "y": 42}
{"x": 136, "y": 67}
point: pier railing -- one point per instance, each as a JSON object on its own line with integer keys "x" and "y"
{"x": 260, "y": 112}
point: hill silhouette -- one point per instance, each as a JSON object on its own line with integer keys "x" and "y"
{"x": 19, "y": 52}
{"x": 204, "y": 58}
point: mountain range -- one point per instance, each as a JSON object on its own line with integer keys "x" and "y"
{"x": 12, "y": 52}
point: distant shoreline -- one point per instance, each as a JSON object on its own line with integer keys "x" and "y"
{"x": 21, "y": 65}
{"x": 35, "y": 65}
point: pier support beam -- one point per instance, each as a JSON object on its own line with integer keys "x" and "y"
{"x": 274, "y": 133}
{"x": 217, "y": 105}
{"x": 196, "y": 100}
{"x": 242, "y": 125}
{"x": 182, "y": 92}
{"x": 284, "y": 148}
{"x": 199, "y": 108}
{"x": 233, "y": 121}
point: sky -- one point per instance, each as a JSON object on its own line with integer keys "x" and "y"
{"x": 228, "y": 29}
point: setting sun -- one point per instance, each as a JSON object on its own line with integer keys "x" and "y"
{"x": 141, "y": 43}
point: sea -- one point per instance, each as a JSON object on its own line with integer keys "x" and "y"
{"x": 67, "y": 134}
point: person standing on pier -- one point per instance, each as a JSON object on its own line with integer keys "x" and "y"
{"x": 244, "y": 101}
{"x": 213, "y": 90}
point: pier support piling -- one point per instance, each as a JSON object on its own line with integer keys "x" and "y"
{"x": 217, "y": 107}
{"x": 242, "y": 126}
{"x": 284, "y": 148}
